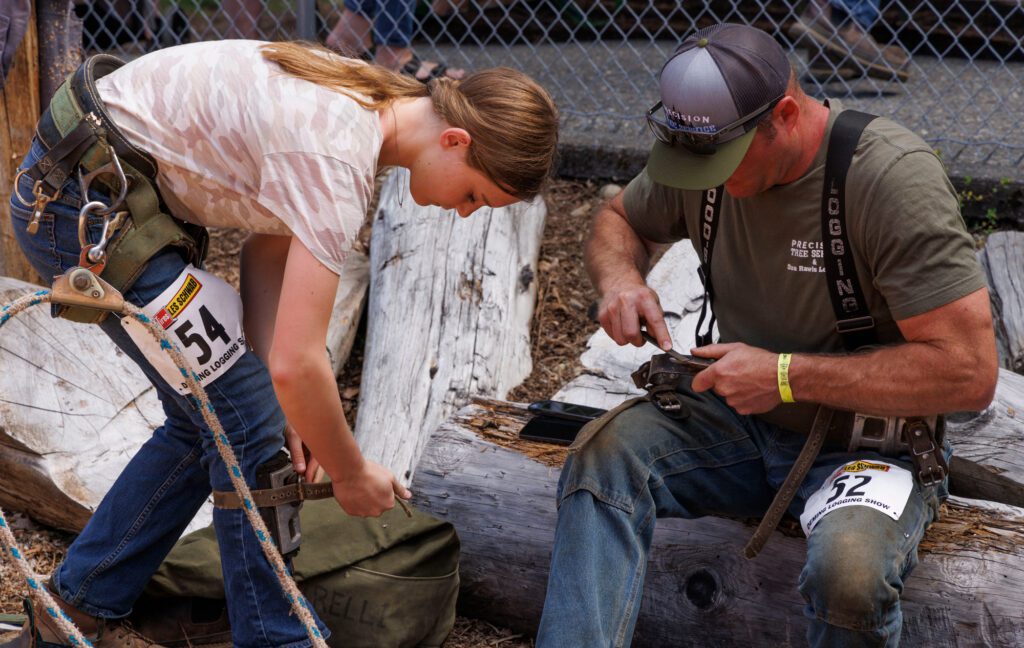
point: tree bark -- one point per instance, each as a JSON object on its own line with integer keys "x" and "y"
{"x": 1000, "y": 259}
{"x": 449, "y": 314}
{"x": 348, "y": 308}
{"x": 699, "y": 591}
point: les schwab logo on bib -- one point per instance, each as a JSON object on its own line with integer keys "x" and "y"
{"x": 861, "y": 466}
{"x": 179, "y": 302}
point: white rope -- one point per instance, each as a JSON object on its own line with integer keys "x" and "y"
{"x": 295, "y": 598}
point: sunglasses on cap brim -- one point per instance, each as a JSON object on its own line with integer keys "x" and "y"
{"x": 697, "y": 141}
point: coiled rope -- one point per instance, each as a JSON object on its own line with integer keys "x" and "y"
{"x": 295, "y": 598}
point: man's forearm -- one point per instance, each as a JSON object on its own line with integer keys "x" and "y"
{"x": 614, "y": 253}
{"x": 912, "y": 378}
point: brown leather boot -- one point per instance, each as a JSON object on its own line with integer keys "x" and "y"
{"x": 35, "y": 629}
{"x": 41, "y": 632}
{"x": 848, "y": 45}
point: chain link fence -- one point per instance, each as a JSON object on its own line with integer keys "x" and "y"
{"x": 952, "y": 70}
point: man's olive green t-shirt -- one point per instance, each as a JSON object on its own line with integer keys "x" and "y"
{"x": 911, "y": 249}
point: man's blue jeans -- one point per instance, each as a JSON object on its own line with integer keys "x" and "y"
{"x": 171, "y": 475}
{"x": 644, "y": 465}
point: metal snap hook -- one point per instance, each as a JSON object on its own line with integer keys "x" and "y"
{"x": 93, "y": 206}
{"x": 110, "y": 225}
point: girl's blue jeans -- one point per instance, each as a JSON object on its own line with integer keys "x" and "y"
{"x": 644, "y": 465}
{"x": 169, "y": 478}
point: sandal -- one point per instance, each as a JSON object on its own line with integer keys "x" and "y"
{"x": 415, "y": 64}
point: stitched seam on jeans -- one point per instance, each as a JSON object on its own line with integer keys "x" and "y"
{"x": 713, "y": 446}
{"x": 250, "y": 586}
{"x": 595, "y": 489}
{"x": 635, "y": 592}
{"x": 140, "y": 520}
{"x": 832, "y": 619}
{"x": 706, "y": 464}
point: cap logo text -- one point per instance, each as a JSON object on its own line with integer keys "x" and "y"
{"x": 696, "y": 122}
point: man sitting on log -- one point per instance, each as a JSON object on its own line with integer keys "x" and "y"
{"x": 851, "y": 311}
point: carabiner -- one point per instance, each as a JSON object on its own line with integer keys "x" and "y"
{"x": 113, "y": 168}
{"x": 110, "y": 226}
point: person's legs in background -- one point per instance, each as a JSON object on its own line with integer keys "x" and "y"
{"x": 351, "y": 36}
{"x": 836, "y": 36}
{"x": 382, "y": 31}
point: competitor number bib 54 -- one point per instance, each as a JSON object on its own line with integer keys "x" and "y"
{"x": 202, "y": 314}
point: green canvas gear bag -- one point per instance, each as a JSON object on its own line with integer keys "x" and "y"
{"x": 380, "y": 582}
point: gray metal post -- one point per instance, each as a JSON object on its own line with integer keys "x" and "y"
{"x": 305, "y": 14}
{"x": 60, "y": 45}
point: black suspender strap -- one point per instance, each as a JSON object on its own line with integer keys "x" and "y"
{"x": 853, "y": 320}
{"x": 710, "y": 208}
{"x": 854, "y": 323}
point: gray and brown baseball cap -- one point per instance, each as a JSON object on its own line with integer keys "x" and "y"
{"x": 714, "y": 89}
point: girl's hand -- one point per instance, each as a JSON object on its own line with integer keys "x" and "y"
{"x": 370, "y": 491}
{"x": 303, "y": 461}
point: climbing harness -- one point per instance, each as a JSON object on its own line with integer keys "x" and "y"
{"x": 81, "y": 287}
{"x": 78, "y": 134}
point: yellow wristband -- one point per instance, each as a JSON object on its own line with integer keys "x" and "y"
{"x": 784, "y": 389}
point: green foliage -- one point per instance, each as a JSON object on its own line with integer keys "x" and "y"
{"x": 991, "y": 220}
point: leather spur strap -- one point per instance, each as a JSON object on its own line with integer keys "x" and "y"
{"x": 265, "y": 497}
{"x": 288, "y": 494}
{"x": 803, "y": 463}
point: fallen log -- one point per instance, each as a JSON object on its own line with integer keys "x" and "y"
{"x": 74, "y": 409}
{"x": 449, "y": 314}
{"x": 1000, "y": 258}
{"x": 349, "y": 302}
{"x": 699, "y": 591}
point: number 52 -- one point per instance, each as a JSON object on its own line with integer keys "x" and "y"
{"x": 839, "y": 485}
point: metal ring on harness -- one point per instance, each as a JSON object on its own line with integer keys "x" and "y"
{"x": 17, "y": 194}
{"x": 667, "y": 399}
{"x": 110, "y": 226}
{"x": 37, "y": 191}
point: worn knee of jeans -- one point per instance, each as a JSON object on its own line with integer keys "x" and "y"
{"x": 608, "y": 466}
{"x": 848, "y": 580}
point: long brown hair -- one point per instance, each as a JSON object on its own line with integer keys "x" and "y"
{"x": 511, "y": 119}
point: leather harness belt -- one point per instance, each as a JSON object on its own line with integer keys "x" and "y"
{"x": 785, "y": 494}
{"x": 267, "y": 497}
{"x": 287, "y": 494}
